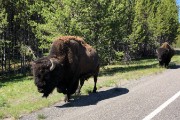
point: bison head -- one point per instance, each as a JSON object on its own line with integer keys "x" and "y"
{"x": 162, "y": 54}
{"x": 46, "y": 72}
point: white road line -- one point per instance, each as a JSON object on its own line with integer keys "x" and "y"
{"x": 155, "y": 112}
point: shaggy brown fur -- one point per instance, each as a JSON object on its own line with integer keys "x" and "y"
{"x": 166, "y": 45}
{"x": 76, "y": 38}
{"x": 68, "y": 38}
{"x": 165, "y": 53}
{"x": 74, "y": 60}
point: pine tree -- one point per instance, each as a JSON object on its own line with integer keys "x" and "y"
{"x": 141, "y": 35}
{"x": 166, "y": 21}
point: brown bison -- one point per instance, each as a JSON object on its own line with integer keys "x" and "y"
{"x": 164, "y": 54}
{"x": 70, "y": 61}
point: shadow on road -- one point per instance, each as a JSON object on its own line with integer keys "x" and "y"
{"x": 174, "y": 67}
{"x": 94, "y": 98}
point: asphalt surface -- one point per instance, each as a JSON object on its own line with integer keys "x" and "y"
{"x": 129, "y": 101}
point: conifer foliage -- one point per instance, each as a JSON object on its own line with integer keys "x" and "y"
{"x": 118, "y": 29}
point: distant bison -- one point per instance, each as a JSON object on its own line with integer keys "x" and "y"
{"x": 70, "y": 61}
{"x": 164, "y": 54}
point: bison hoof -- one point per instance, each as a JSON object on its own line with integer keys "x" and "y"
{"x": 94, "y": 91}
{"x": 66, "y": 98}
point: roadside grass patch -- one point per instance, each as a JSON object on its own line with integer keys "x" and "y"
{"x": 3, "y": 102}
{"x": 19, "y": 95}
{"x": 41, "y": 117}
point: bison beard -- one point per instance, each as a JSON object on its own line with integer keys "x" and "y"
{"x": 69, "y": 62}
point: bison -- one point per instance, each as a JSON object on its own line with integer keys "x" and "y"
{"x": 164, "y": 54}
{"x": 71, "y": 61}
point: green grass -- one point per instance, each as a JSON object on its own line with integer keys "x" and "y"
{"x": 41, "y": 117}
{"x": 19, "y": 96}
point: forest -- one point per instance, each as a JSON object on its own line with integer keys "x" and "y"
{"x": 120, "y": 30}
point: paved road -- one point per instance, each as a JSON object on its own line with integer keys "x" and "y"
{"x": 135, "y": 100}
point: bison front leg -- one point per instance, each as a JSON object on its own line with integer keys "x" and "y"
{"x": 95, "y": 81}
{"x": 80, "y": 86}
{"x": 161, "y": 63}
{"x": 67, "y": 98}
{"x": 65, "y": 92}
{"x": 71, "y": 90}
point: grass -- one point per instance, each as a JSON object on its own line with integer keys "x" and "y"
{"x": 41, "y": 117}
{"x": 19, "y": 96}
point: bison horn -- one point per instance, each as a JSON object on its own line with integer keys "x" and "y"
{"x": 157, "y": 52}
{"x": 53, "y": 65}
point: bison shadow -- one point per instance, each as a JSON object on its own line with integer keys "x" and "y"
{"x": 94, "y": 98}
{"x": 174, "y": 66}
